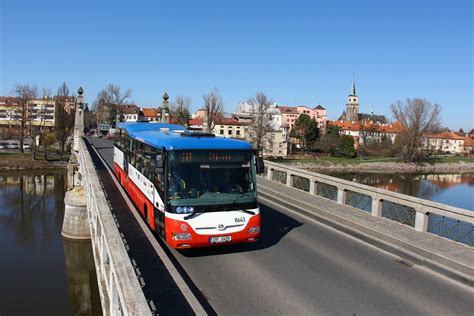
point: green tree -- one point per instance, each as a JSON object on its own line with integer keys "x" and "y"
{"x": 346, "y": 146}
{"x": 329, "y": 142}
{"x": 306, "y": 130}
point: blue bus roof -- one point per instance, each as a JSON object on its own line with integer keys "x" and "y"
{"x": 170, "y": 137}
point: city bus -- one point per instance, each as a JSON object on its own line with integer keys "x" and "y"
{"x": 192, "y": 188}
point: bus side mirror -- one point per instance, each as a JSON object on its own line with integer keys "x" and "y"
{"x": 260, "y": 165}
{"x": 159, "y": 161}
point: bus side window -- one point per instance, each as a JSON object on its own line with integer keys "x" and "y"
{"x": 126, "y": 144}
{"x": 133, "y": 159}
{"x": 139, "y": 148}
{"x": 140, "y": 163}
{"x": 158, "y": 179}
{"x": 159, "y": 182}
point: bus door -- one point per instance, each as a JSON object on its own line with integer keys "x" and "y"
{"x": 159, "y": 183}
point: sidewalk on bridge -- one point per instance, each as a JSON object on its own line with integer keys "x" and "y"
{"x": 450, "y": 258}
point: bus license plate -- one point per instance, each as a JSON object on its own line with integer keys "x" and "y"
{"x": 220, "y": 239}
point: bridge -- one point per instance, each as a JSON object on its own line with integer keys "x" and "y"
{"x": 328, "y": 246}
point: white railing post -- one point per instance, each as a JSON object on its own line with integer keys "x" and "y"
{"x": 270, "y": 174}
{"x": 313, "y": 186}
{"x": 377, "y": 205}
{"x": 289, "y": 179}
{"x": 341, "y": 195}
{"x": 421, "y": 221}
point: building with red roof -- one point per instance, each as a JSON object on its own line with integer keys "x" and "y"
{"x": 151, "y": 114}
{"x": 446, "y": 142}
{"x": 368, "y": 131}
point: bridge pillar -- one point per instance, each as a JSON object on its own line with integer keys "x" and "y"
{"x": 76, "y": 223}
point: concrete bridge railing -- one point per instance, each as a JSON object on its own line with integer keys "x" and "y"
{"x": 425, "y": 216}
{"x": 120, "y": 291}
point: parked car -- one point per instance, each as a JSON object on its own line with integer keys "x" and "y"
{"x": 3, "y": 145}
{"x": 13, "y": 146}
{"x": 111, "y": 134}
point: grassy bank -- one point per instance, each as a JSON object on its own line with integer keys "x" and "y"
{"x": 19, "y": 161}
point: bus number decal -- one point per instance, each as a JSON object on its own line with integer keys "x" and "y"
{"x": 239, "y": 219}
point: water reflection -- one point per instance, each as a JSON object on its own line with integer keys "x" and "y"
{"x": 36, "y": 264}
{"x": 449, "y": 188}
{"x": 82, "y": 280}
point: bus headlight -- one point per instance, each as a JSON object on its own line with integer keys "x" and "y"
{"x": 254, "y": 230}
{"x": 179, "y": 210}
{"x": 180, "y": 236}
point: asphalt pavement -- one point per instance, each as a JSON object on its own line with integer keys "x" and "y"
{"x": 303, "y": 267}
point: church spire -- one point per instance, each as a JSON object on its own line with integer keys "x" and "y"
{"x": 353, "y": 91}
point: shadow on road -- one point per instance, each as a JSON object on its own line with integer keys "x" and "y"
{"x": 275, "y": 226}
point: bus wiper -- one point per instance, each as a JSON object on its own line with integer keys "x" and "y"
{"x": 248, "y": 212}
{"x": 234, "y": 203}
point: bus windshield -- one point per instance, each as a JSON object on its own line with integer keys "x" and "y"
{"x": 198, "y": 178}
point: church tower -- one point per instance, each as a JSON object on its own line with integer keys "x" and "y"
{"x": 352, "y": 105}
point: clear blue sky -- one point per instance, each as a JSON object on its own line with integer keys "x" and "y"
{"x": 297, "y": 52}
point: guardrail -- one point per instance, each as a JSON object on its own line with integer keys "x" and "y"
{"x": 120, "y": 291}
{"x": 425, "y": 216}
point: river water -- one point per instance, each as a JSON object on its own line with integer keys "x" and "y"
{"x": 456, "y": 189}
{"x": 40, "y": 273}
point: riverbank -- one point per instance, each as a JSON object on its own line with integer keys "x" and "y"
{"x": 24, "y": 161}
{"x": 385, "y": 166}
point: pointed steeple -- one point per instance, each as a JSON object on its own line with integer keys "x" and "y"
{"x": 353, "y": 91}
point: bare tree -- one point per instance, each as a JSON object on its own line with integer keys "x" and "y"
{"x": 38, "y": 123}
{"x": 112, "y": 94}
{"x": 419, "y": 117}
{"x": 107, "y": 101}
{"x": 65, "y": 119}
{"x": 21, "y": 117}
{"x": 214, "y": 107}
{"x": 366, "y": 134}
{"x": 46, "y": 93}
{"x": 260, "y": 109}
{"x": 181, "y": 110}
{"x": 63, "y": 90}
